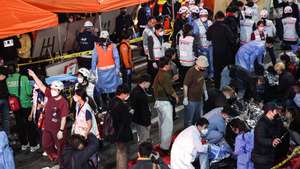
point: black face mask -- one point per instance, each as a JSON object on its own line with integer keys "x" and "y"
{"x": 250, "y": 4}
{"x": 277, "y": 116}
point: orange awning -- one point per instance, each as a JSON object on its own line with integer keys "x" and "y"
{"x": 82, "y": 6}
{"x": 19, "y": 17}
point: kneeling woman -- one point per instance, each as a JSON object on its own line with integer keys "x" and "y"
{"x": 85, "y": 121}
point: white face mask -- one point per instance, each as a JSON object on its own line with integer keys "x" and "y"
{"x": 80, "y": 79}
{"x": 161, "y": 33}
{"x": 54, "y": 93}
{"x": 204, "y": 131}
{"x": 203, "y": 19}
{"x": 75, "y": 99}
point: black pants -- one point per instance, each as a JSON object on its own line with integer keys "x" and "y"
{"x": 106, "y": 97}
{"x": 272, "y": 55}
{"x": 27, "y": 131}
{"x": 262, "y": 166}
{"x": 217, "y": 74}
{"x": 151, "y": 70}
{"x": 182, "y": 72}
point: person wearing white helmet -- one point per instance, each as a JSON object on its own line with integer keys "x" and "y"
{"x": 194, "y": 11}
{"x": 86, "y": 38}
{"x": 290, "y": 29}
{"x": 106, "y": 67}
{"x": 252, "y": 4}
{"x": 183, "y": 14}
{"x": 83, "y": 78}
{"x": 247, "y": 26}
{"x": 270, "y": 27}
{"x": 56, "y": 112}
{"x": 201, "y": 25}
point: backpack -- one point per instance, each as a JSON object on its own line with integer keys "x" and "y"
{"x": 6, "y": 153}
{"x": 14, "y": 101}
{"x": 109, "y": 132}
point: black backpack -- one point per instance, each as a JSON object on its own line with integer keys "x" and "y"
{"x": 109, "y": 131}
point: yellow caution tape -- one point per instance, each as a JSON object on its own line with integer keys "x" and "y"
{"x": 70, "y": 56}
{"x": 295, "y": 152}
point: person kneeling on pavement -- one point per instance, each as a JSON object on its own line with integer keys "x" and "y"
{"x": 79, "y": 152}
{"x": 147, "y": 159}
{"x": 189, "y": 145}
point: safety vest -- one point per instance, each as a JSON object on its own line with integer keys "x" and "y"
{"x": 105, "y": 57}
{"x": 270, "y": 28}
{"x": 246, "y": 27}
{"x": 258, "y": 37}
{"x": 204, "y": 43}
{"x": 186, "y": 54}
{"x": 158, "y": 50}
{"x": 289, "y": 29}
{"x": 80, "y": 125}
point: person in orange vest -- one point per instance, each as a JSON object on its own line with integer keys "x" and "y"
{"x": 126, "y": 59}
{"x": 106, "y": 66}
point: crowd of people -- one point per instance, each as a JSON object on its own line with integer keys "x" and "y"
{"x": 213, "y": 63}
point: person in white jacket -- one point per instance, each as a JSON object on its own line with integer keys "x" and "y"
{"x": 189, "y": 145}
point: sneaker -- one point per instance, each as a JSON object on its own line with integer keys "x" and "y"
{"x": 45, "y": 154}
{"x": 25, "y": 147}
{"x": 33, "y": 149}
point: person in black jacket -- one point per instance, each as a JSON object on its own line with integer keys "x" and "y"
{"x": 77, "y": 154}
{"x": 223, "y": 48}
{"x": 121, "y": 115}
{"x": 266, "y": 138}
{"x": 124, "y": 23}
{"x": 139, "y": 103}
{"x": 286, "y": 80}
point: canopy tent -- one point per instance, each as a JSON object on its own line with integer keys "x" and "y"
{"x": 19, "y": 17}
{"x": 82, "y": 6}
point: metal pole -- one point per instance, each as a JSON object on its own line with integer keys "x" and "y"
{"x": 100, "y": 21}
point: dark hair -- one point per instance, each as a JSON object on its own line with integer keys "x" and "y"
{"x": 286, "y": 59}
{"x": 219, "y": 15}
{"x": 76, "y": 140}
{"x": 232, "y": 9}
{"x": 241, "y": 125}
{"x": 144, "y": 78}
{"x": 202, "y": 121}
{"x": 269, "y": 40}
{"x": 261, "y": 22}
{"x": 170, "y": 52}
{"x": 150, "y": 18}
{"x": 145, "y": 149}
{"x": 240, "y": 4}
{"x": 81, "y": 93}
{"x": 187, "y": 28}
{"x": 125, "y": 35}
{"x": 158, "y": 26}
{"x": 122, "y": 89}
{"x": 227, "y": 109}
{"x": 163, "y": 62}
{"x": 12, "y": 68}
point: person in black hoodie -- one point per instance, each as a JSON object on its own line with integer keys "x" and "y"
{"x": 79, "y": 151}
{"x": 142, "y": 114}
{"x": 121, "y": 116}
{"x": 286, "y": 80}
{"x": 266, "y": 138}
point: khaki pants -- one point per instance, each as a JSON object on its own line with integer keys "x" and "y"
{"x": 121, "y": 156}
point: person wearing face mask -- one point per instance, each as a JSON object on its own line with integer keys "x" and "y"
{"x": 243, "y": 145}
{"x": 56, "y": 112}
{"x": 181, "y": 20}
{"x": 266, "y": 138}
{"x": 140, "y": 105}
{"x": 121, "y": 116}
{"x": 83, "y": 82}
{"x": 247, "y": 26}
{"x": 252, "y": 5}
{"x": 201, "y": 26}
{"x": 270, "y": 27}
{"x": 290, "y": 29}
{"x": 217, "y": 118}
{"x": 106, "y": 67}
{"x": 149, "y": 29}
{"x": 124, "y": 22}
{"x": 156, "y": 49}
{"x": 259, "y": 34}
{"x": 189, "y": 145}
{"x": 85, "y": 121}
{"x": 187, "y": 50}
{"x": 78, "y": 152}
{"x": 281, "y": 4}
{"x": 194, "y": 89}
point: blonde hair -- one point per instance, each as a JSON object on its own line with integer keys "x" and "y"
{"x": 227, "y": 89}
{"x": 279, "y": 66}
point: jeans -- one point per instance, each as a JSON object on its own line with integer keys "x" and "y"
{"x": 193, "y": 112}
{"x": 165, "y": 123}
{"x": 5, "y": 115}
{"x": 208, "y": 52}
{"x": 204, "y": 162}
{"x": 121, "y": 155}
{"x": 127, "y": 77}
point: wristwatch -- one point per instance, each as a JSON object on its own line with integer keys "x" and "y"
{"x": 61, "y": 130}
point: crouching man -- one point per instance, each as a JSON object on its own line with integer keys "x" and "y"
{"x": 189, "y": 145}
